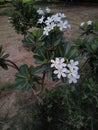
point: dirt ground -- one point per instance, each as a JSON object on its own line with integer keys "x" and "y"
{"x": 12, "y": 45}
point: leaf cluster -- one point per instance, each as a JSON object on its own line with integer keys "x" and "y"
{"x": 70, "y": 107}
{"x": 23, "y": 16}
{"x": 87, "y": 43}
{"x": 26, "y": 78}
{"x": 89, "y": 29}
{"x": 3, "y": 58}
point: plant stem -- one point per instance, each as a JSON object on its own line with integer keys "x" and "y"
{"x": 12, "y": 64}
{"x": 38, "y": 93}
{"x": 43, "y": 79}
{"x": 84, "y": 63}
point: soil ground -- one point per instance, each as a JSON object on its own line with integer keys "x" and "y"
{"x": 12, "y": 44}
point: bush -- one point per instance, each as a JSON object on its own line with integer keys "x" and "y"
{"x": 23, "y": 16}
{"x": 72, "y": 107}
{"x": 88, "y": 44}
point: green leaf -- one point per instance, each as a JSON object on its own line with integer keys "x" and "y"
{"x": 94, "y": 47}
{"x": 43, "y": 56}
{"x": 0, "y": 48}
{"x": 39, "y": 69}
{"x": 3, "y": 57}
{"x": 3, "y": 64}
{"x": 25, "y": 79}
{"x": 33, "y": 39}
{"x": 49, "y": 119}
{"x": 67, "y": 51}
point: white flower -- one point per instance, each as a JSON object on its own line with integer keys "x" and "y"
{"x": 73, "y": 76}
{"x": 82, "y": 24}
{"x": 89, "y": 22}
{"x": 48, "y": 10}
{"x": 60, "y": 72}
{"x": 72, "y": 72}
{"x": 40, "y": 11}
{"x": 56, "y": 18}
{"x": 69, "y": 71}
{"x": 73, "y": 79}
{"x": 62, "y": 15}
{"x": 62, "y": 25}
{"x": 58, "y": 63}
{"x": 73, "y": 65}
{"x": 46, "y": 31}
{"x": 9, "y": 17}
{"x": 69, "y": 26}
{"x": 49, "y": 20}
{"x": 41, "y": 20}
{"x": 51, "y": 25}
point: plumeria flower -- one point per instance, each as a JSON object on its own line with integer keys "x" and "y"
{"x": 69, "y": 26}
{"x": 58, "y": 63}
{"x": 72, "y": 72}
{"x": 40, "y": 11}
{"x": 82, "y": 24}
{"x": 51, "y": 25}
{"x": 60, "y": 72}
{"x": 63, "y": 25}
{"x": 73, "y": 79}
{"x": 69, "y": 71}
{"x": 73, "y": 65}
{"x": 73, "y": 76}
{"x": 48, "y": 10}
{"x": 46, "y": 31}
{"x": 89, "y": 22}
{"x": 41, "y": 20}
{"x": 62, "y": 15}
{"x": 9, "y": 19}
{"x": 48, "y": 21}
{"x": 56, "y": 18}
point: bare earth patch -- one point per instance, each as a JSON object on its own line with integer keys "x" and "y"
{"x": 12, "y": 45}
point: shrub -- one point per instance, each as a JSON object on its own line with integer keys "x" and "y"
{"x": 73, "y": 107}
{"x": 88, "y": 44}
{"x": 23, "y": 16}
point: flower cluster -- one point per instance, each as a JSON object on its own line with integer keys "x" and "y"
{"x": 87, "y": 23}
{"x": 68, "y": 70}
{"x": 57, "y": 20}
